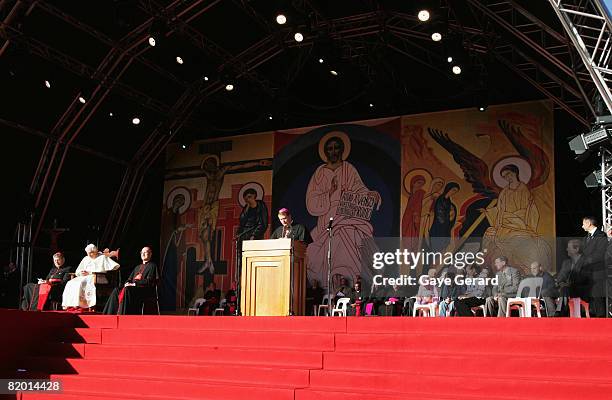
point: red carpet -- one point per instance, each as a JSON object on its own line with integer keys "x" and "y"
{"x": 308, "y": 358}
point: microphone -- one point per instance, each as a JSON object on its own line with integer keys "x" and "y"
{"x": 331, "y": 221}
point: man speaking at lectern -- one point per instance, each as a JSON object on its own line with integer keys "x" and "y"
{"x": 289, "y": 229}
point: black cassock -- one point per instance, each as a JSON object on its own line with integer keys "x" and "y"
{"x": 295, "y": 232}
{"x": 56, "y": 278}
{"x": 130, "y": 299}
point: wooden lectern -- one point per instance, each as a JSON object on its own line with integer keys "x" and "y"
{"x": 272, "y": 271}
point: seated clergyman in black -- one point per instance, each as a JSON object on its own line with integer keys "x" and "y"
{"x": 139, "y": 287}
{"x": 289, "y": 229}
{"x": 36, "y": 296}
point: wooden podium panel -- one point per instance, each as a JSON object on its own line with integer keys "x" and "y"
{"x": 268, "y": 277}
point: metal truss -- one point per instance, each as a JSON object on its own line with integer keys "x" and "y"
{"x": 70, "y": 124}
{"x": 590, "y": 30}
{"x": 605, "y": 164}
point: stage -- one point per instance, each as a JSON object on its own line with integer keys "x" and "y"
{"x": 307, "y": 358}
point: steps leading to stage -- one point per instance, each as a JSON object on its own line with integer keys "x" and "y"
{"x": 307, "y": 358}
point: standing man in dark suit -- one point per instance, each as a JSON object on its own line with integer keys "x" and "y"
{"x": 290, "y": 229}
{"x": 508, "y": 281}
{"x": 593, "y": 267}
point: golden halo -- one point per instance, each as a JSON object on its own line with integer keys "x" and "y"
{"x": 251, "y": 185}
{"x": 342, "y": 136}
{"x": 414, "y": 172}
{"x": 179, "y": 190}
{"x": 521, "y": 163}
{"x": 206, "y": 157}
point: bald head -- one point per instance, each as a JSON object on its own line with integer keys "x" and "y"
{"x": 145, "y": 254}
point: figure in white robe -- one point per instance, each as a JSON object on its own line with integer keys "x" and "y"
{"x": 323, "y": 195}
{"x": 81, "y": 290}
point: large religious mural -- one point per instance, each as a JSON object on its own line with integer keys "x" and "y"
{"x": 209, "y": 189}
{"x": 481, "y": 180}
{"x": 447, "y": 181}
{"x": 347, "y": 174}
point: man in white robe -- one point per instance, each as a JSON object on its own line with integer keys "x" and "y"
{"x": 81, "y": 291}
{"x": 323, "y": 195}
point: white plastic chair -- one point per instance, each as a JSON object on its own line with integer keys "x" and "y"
{"x": 523, "y": 304}
{"x": 221, "y": 309}
{"x": 341, "y": 306}
{"x": 323, "y": 306}
{"x": 196, "y": 306}
{"x": 574, "y": 304}
{"x": 430, "y": 308}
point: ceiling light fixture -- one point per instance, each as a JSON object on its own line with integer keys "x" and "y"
{"x": 48, "y": 84}
{"x": 456, "y": 69}
{"x": 135, "y": 120}
{"x": 333, "y": 72}
{"x": 229, "y": 87}
{"x": 423, "y": 15}
{"x": 179, "y": 60}
{"x": 281, "y": 19}
{"x": 298, "y": 37}
{"x": 436, "y": 36}
{"x": 81, "y": 99}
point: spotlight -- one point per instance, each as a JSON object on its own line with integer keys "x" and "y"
{"x": 135, "y": 120}
{"x": 270, "y": 117}
{"x": 298, "y": 37}
{"x": 281, "y": 19}
{"x": 110, "y": 114}
{"x": 229, "y": 87}
{"x": 436, "y": 36}
{"x": 48, "y": 84}
{"x": 205, "y": 78}
{"x": 183, "y": 146}
{"x": 152, "y": 41}
{"x": 179, "y": 60}
{"x": 482, "y": 108}
{"x": 81, "y": 99}
{"x": 333, "y": 72}
{"x": 320, "y": 61}
{"x": 449, "y": 59}
{"x": 371, "y": 105}
{"x": 456, "y": 69}
{"x": 423, "y": 15}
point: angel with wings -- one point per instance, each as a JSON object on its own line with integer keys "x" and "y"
{"x": 511, "y": 212}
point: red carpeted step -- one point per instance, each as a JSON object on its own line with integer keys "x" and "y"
{"x": 79, "y": 335}
{"x": 293, "y": 324}
{"x": 170, "y": 337}
{"x": 66, "y": 350}
{"x": 527, "y": 367}
{"x": 332, "y": 394}
{"x": 510, "y": 343}
{"x": 449, "y": 381}
{"x": 118, "y": 387}
{"x": 530, "y": 326}
{"x": 254, "y": 375}
{"x": 203, "y": 355}
{"x": 71, "y": 396}
{"x": 96, "y": 321}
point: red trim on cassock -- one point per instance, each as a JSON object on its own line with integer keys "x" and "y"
{"x": 121, "y": 293}
{"x": 43, "y": 295}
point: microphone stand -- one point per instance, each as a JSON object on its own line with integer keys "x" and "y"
{"x": 329, "y": 268}
{"x": 237, "y": 272}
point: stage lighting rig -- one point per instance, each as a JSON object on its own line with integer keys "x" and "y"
{"x": 600, "y": 133}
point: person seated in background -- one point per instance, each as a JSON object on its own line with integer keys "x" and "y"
{"x": 375, "y": 300}
{"x": 473, "y": 294}
{"x": 450, "y": 293}
{"x": 80, "y": 292}
{"x": 139, "y": 287}
{"x": 549, "y": 292}
{"x": 231, "y": 300}
{"x": 357, "y": 301}
{"x": 562, "y": 278}
{"x": 314, "y": 296}
{"x": 344, "y": 290}
{"x": 393, "y": 302}
{"x": 428, "y": 294}
{"x": 508, "y": 280}
{"x": 213, "y": 299}
{"x": 36, "y": 296}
